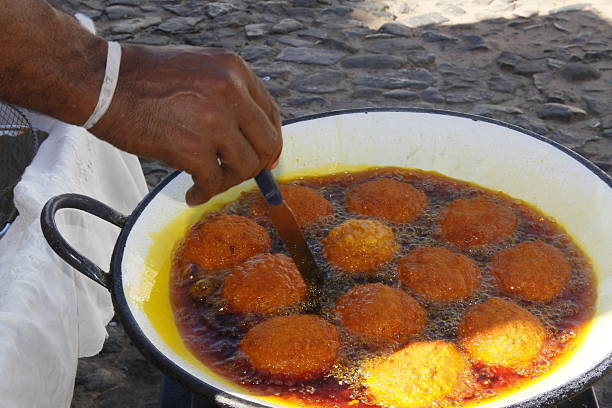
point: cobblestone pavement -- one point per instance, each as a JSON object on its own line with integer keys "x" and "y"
{"x": 542, "y": 65}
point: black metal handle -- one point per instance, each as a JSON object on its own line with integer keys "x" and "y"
{"x": 59, "y": 244}
{"x": 268, "y": 187}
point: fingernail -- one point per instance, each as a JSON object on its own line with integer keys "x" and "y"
{"x": 273, "y": 166}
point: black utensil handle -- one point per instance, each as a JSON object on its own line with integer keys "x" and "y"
{"x": 65, "y": 250}
{"x": 268, "y": 187}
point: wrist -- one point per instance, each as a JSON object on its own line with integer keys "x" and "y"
{"x": 85, "y": 83}
{"x": 109, "y": 84}
{"x": 122, "y": 107}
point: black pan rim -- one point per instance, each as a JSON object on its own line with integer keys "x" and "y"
{"x": 167, "y": 366}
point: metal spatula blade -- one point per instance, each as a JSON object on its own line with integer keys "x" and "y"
{"x": 288, "y": 228}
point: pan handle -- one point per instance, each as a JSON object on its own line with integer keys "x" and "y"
{"x": 65, "y": 250}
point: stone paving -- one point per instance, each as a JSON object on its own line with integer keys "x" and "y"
{"x": 543, "y": 65}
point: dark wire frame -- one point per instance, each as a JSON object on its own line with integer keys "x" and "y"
{"x": 18, "y": 146}
{"x": 12, "y": 120}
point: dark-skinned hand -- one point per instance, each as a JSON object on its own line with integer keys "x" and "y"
{"x": 201, "y": 110}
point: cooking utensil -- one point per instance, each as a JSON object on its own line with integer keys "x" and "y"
{"x": 288, "y": 229}
{"x": 484, "y": 151}
{"x": 18, "y": 146}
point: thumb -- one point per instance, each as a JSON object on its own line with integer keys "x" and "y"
{"x": 196, "y": 196}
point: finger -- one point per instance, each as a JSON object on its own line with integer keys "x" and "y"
{"x": 208, "y": 178}
{"x": 264, "y": 100}
{"x": 279, "y": 142}
{"x": 234, "y": 162}
{"x": 239, "y": 159}
{"x": 262, "y": 97}
{"x": 277, "y": 153}
{"x": 259, "y": 132}
{"x": 196, "y": 195}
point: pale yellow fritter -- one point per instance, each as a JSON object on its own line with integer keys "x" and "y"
{"x": 417, "y": 375}
{"x": 501, "y": 333}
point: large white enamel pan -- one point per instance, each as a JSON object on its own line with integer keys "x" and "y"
{"x": 492, "y": 154}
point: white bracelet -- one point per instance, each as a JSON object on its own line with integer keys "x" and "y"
{"x": 111, "y": 77}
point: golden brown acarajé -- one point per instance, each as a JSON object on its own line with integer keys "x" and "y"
{"x": 417, "y": 375}
{"x": 474, "y": 222}
{"x": 501, "y": 333}
{"x": 296, "y": 347}
{"x": 220, "y": 241}
{"x": 265, "y": 283}
{"x": 306, "y": 204}
{"x": 359, "y": 245}
{"x": 380, "y": 315}
{"x": 439, "y": 274}
{"x": 531, "y": 270}
{"x": 386, "y": 198}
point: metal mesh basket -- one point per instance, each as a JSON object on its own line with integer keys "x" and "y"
{"x": 18, "y": 145}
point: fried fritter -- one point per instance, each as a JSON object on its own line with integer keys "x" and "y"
{"x": 360, "y": 245}
{"x": 501, "y": 333}
{"x": 306, "y": 204}
{"x": 417, "y": 375}
{"x": 439, "y": 274}
{"x": 220, "y": 241}
{"x": 475, "y": 222}
{"x": 386, "y": 198}
{"x": 380, "y": 315}
{"x": 531, "y": 270}
{"x": 296, "y": 347}
{"x": 265, "y": 283}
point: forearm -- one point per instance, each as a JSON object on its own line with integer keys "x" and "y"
{"x": 198, "y": 109}
{"x": 48, "y": 62}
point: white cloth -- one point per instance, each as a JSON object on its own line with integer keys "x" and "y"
{"x": 50, "y": 314}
